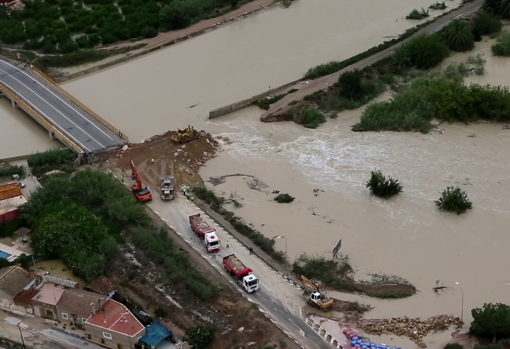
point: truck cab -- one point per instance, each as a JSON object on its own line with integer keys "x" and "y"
{"x": 250, "y": 283}
{"x": 211, "y": 242}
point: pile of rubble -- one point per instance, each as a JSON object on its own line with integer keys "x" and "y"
{"x": 415, "y": 329}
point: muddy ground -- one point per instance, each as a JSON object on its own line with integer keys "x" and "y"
{"x": 239, "y": 323}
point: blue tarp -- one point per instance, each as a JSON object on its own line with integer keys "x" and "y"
{"x": 155, "y": 334}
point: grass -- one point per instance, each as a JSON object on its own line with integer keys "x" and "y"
{"x": 55, "y": 159}
{"x": 8, "y": 171}
{"x": 216, "y": 202}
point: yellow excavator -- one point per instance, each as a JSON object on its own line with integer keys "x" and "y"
{"x": 184, "y": 135}
{"x": 315, "y": 297}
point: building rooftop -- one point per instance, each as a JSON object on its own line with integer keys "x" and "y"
{"x": 14, "y": 279}
{"x": 8, "y": 191}
{"x": 8, "y": 205}
{"x": 155, "y": 334}
{"x": 26, "y": 296}
{"x": 101, "y": 285}
{"x": 49, "y": 294}
{"x": 115, "y": 317}
{"x": 80, "y": 301}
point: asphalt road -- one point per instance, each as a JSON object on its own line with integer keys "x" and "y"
{"x": 273, "y": 288}
{"x": 72, "y": 121}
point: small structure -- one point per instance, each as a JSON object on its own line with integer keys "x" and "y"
{"x": 155, "y": 334}
{"x": 114, "y": 326}
{"x": 45, "y": 302}
{"x": 10, "y": 199}
{"x": 101, "y": 285}
{"x": 75, "y": 305}
{"x": 13, "y": 280}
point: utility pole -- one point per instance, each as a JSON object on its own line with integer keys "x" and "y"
{"x": 21, "y": 334}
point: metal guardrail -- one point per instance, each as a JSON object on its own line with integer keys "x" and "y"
{"x": 39, "y": 118}
{"x": 81, "y": 105}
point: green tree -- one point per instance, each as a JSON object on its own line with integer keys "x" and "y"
{"x": 69, "y": 46}
{"x": 351, "y": 85}
{"x": 425, "y": 51}
{"x": 491, "y": 321}
{"x": 459, "y": 36}
{"x": 176, "y": 15}
{"x": 149, "y": 32}
{"x": 485, "y": 23}
{"x": 502, "y": 45}
{"x": 200, "y": 337}
{"x": 500, "y": 7}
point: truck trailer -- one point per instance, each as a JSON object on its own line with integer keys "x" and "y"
{"x": 242, "y": 273}
{"x": 205, "y": 232}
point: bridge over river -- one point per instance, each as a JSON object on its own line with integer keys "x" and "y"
{"x": 65, "y": 118}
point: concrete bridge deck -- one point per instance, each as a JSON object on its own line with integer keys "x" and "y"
{"x": 61, "y": 114}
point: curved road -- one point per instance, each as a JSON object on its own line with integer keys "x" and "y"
{"x": 62, "y": 113}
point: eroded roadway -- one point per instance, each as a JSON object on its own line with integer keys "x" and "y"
{"x": 75, "y": 123}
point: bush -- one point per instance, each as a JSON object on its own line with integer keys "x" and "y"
{"x": 149, "y": 32}
{"x": 8, "y": 229}
{"x": 453, "y": 199}
{"x": 438, "y": 6}
{"x": 502, "y": 45}
{"x": 264, "y": 103}
{"x": 489, "y": 346}
{"x": 422, "y": 52}
{"x": 284, "y": 198}
{"x": 415, "y": 14}
{"x": 161, "y": 313}
{"x": 71, "y": 59}
{"x": 351, "y": 85}
{"x": 309, "y": 117}
{"x": 500, "y": 7}
{"x": 383, "y": 187}
{"x": 491, "y": 321}
{"x": 200, "y": 337}
{"x": 453, "y": 346}
{"x": 8, "y": 171}
{"x": 55, "y": 159}
{"x": 485, "y": 23}
{"x": 458, "y": 36}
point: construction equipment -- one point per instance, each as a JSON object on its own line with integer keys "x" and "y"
{"x": 243, "y": 274}
{"x": 142, "y": 193}
{"x": 167, "y": 187}
{"x": 184, "y": 135}
{"x": 315, "y": 297}
{"x": 205, "y": 232}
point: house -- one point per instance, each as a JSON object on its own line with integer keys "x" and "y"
{"x": 13, "y": 280}
{"x": 114, "y": 326}
{"x": 10, "y": 199}
{"x": 45, "y": 302}
{"x": 76, "y": 305}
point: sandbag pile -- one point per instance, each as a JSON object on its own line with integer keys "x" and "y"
{"x": 414, "y": 329}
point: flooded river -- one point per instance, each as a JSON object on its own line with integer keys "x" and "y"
{"x": 405, "y": 236}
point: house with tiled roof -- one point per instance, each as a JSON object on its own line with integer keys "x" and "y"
{"x": 114, "y": 326}
{"x": 14, "y": 280}
{"x": 76, "y": 306}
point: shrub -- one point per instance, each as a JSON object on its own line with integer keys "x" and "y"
{"x": 8, "y": 171}
{"x": 8, "y": 229}
{"x": 415, "y": 14}
{"x": 383, "y": 187}
{"x": 423, "y": 52}
{"x": 453, "y": 346}
{"x": 485, "y": 23}
{"x": 453, "y": 199}
{"x": 309, "y": 117}
{"x": 491, "y": 321}
{"x": 71, "y": 59}
{"x": 55, "y": 159}
{"x": 200, "y": 337}
{"x": 284, "y": 198}
{"x": 149, "y": 32}
{"x": 500, "y": 7}
{"x": 160, "y": 312}
{"x": 351, "y": 85}
{"x": 458, "y": 36}
{"x": 438, "y": 6}
{"x": 502, "y": 45}
{"x": 265, "y": 103}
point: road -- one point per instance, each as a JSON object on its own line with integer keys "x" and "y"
{"x": 75, "y": 123}
{"x": 282, "y": 106}
{"x": 278, "y": 298}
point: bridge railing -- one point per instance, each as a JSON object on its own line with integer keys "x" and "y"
{"x": 13, "y": 96}
{"x": 80, "y": 104}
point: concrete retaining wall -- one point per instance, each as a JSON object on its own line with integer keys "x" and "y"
{"x": 157, "y": 47}
{"x": 323, "y": 333}
{"x": 14, "y": 158}
{"x": 247, "y": 102}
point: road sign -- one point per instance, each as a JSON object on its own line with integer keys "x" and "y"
{"x": 337, "y": 248}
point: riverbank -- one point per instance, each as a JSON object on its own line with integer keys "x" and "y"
{"x": 162, "y": 40}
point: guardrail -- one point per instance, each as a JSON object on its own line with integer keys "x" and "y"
{"x": 81, "y": 105}
{"x": 13, "y": 96}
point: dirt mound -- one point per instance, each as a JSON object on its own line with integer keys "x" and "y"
{"x": 180, "y": 160}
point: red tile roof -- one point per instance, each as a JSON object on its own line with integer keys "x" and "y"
{"x": 115, "y": 317}
{"x": 25, "y": 296}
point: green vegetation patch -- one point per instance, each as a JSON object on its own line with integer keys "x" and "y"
{"x": 438, "y": 6}
{"x": 491, "y": 321}
{"x": 216, "y": 202}
{"x": 418, "y": 14}
{"x": 55, "y": 159}
{"x": 309, "y": 117}
{"x": 72, "y": 59}
{"x": 284, "y": 199}
{"x": 502, "y": 45}
{"x": 454, "y": 199}
{"x": 200, "y": 337}
{"x": 8, "y": 171}
{"x": 382, "y": 186}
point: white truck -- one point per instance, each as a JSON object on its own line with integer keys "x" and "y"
{"x": 167, "y": 185}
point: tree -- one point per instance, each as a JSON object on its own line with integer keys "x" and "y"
{"x": 200, "y": 337}
{"x": 176, "y": 15}
{"x": 485, "y": 23}
{"x": 491, "y": 321}
{"x": 351, "y": 85}
{"x": 383, "y": 187}
{"x": 458, "y": 36}
{"x": 69, "y": 46}
{"x": 149, "y": 32}
{"x": 454, "y": 199}
{"x": 425, "y": 51}
{"x": 500, "y": 7}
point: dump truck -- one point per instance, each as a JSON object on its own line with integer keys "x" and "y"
{"x": 243, "y": 274}
{"x": 184, "y": 135}
{"x": 167, "y": 187}
{"x": 142, "y": 193}
{"x": 205, "y": 232}
{"x": 315, "y": 297}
